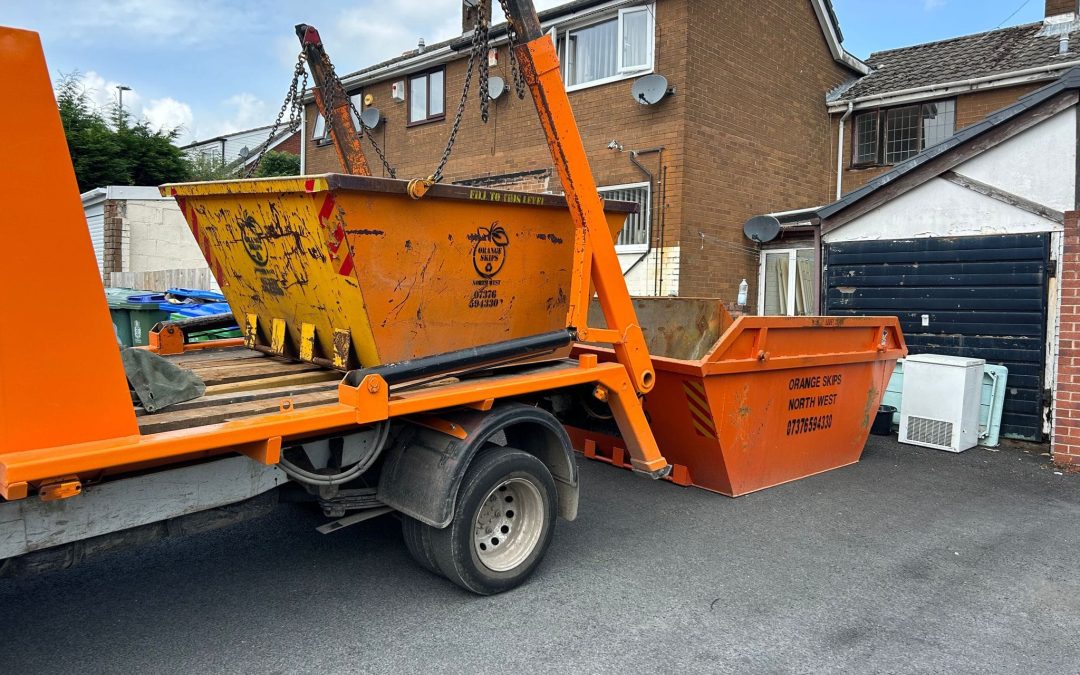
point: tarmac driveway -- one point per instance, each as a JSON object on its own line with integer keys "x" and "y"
{"x": 911, "y": 561}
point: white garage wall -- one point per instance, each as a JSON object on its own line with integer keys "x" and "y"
{"x": 1038, "y": 164}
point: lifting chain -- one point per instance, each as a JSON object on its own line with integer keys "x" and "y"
{"x": 294, "y": 103}
{"x": 328, "y": 104}
{"x": 515, "y": 67}
{"x": 478, "y": 60}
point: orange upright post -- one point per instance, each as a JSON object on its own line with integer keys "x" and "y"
{"x": 59, "y": 385}
{"x": 334, "y": 104}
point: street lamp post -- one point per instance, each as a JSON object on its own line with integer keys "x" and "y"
{"x": 121, "y": 88}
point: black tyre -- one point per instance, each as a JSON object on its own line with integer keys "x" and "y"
{"x": 417, "y": 537}
{"x": 503, "y": 522}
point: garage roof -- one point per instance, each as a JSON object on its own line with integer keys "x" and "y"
{"x": 1069, "y": 82}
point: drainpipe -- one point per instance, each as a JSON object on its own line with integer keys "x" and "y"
{"x": 303, "y": 143}
{"x": 840, "y": 152}
{"x": 634, "y": 154}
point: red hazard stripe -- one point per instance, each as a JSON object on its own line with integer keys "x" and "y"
{"x": 335, "y": 238}
{"x": 347, "y": 266}
{"x": 327, "y": 209}
{"x": 698, "y": 407}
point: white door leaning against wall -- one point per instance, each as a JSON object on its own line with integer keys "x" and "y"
{"x": 786, "y": 282}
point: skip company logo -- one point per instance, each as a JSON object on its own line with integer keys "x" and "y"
{"x": 253, "y": 244}
{"x": 489, "y": 249}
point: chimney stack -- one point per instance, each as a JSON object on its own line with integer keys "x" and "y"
{"x": 1056, "y": 8}
{"x": 468, "y": 13}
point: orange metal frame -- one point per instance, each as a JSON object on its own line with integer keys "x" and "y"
{"x": 47, "y": 438}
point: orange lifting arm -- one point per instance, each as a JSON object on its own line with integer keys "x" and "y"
{"x": 339, "y": 120}
{"x": 540, "y": 67}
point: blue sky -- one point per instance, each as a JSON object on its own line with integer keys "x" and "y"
{"x": 215, "y": 66}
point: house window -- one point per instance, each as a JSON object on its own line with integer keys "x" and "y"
{"x": 786, "y": 282}
{"x": 894, "y": 135}
{"x": 320, "y": 132}
{"x": 426, "y": 97}
{"x": 634, "y": 237}
{"x": 617, "y": 47}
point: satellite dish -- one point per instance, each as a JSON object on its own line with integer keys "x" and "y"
{"x": 650, "y": 89}
{"x": 244, "y": 152}
{"x": 761, "y": 229}
{"x": 496, "y": 87}
{"x": 371, "y": 117}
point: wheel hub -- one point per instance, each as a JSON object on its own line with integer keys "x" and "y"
{"x": 508, "y": 524}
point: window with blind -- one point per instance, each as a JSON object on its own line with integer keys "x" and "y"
{"x": 886, "y": 137}
{"x": 634, "y": 237}
{"x": 616, "y": 47}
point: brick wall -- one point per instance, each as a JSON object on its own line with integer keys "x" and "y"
{"x": 114, "y": 241}
{"x": 147, "y": 236}
{"x": 1055, "y": 7}
{"x": 970, "y": 108}
{"x": 758, "y": 132}
{"x": 1066, "y": 425}
{"x": 290, "y": 145}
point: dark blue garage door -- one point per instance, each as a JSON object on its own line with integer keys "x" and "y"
{"x": 983, "y": 297}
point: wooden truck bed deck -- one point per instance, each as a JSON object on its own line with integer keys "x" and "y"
{"x": 241, "y": 383}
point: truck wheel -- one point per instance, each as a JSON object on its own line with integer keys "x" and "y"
{"x": 417, "y": 537}
{"x": 503, "y": 523}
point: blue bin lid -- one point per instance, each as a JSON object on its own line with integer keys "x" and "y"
{"x": 195, "y": 294}
{"x": 146, "y": 298}
{"x": 208, "y": 309}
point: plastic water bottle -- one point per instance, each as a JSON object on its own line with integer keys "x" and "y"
{"x": 744, "y": 290}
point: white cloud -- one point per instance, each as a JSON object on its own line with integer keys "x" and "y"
{"x": 931, "y": 5}
{"x": 148, "y": 21}
{"x": 103, "y": 93}
{"x": 168, "y": 113}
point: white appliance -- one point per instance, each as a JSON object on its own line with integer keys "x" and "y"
{"x": 940, "y": 405}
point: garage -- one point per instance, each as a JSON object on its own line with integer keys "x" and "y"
{"x": 961, "y": 242}
{"x": 978, "y": 296}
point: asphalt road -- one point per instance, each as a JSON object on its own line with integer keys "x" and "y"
{"x": 911, "y": 561}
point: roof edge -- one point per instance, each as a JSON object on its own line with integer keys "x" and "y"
{"x": 835, "y": 39}
{"x": 1069, "y": 83}
{"x": 939, "y": 89}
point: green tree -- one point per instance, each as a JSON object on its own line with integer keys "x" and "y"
{"x": 208, "y": 167}
{"x": 276, "y": 163}
{"x": 124, "y": 155}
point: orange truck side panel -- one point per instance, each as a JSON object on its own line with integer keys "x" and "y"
{"x": 58, "y": 384}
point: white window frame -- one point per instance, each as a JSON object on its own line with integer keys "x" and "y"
{"x": 622, "y": 72}
{"x": 358, "y": 101}
{"x": 793, "y": 261}
{"x": 634, "y": 248}
{"x": 648, "y": 66}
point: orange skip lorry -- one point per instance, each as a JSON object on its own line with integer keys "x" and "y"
{"x": 409, "y": 348}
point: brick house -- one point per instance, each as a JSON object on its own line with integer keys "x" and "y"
{"x": 917, "y": 96}
{"x": 745, "y": 129}
{"x": 913, "y": 98}
{"x": 240, "y": 148}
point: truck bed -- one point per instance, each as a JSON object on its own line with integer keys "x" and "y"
{"x": 241, "y": 383}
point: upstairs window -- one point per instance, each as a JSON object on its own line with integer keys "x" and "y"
{"x": 427, "y": 97}
{"x": 897, "y": 134}
{"x": 634, "y": 236}
{"x": 620, "y": 46}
